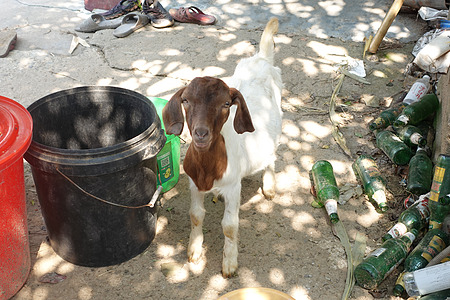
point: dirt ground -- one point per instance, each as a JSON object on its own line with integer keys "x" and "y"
{"x": 285, "y": 243}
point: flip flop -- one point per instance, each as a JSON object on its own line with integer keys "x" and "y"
{"x": 130, "y": 23}
{"x": 8, "y": 40}
{"x": 192, "y": 14}
{"x": 98, "y": 22}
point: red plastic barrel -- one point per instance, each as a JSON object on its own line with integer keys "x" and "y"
{"x": 15, "y": 137}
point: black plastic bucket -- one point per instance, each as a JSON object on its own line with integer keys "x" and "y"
{"x": 93, "y": 152}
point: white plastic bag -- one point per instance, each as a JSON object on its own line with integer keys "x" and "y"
{"x": 435, "y": 56}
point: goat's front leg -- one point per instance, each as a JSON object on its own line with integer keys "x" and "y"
{"x": 230, "y": 226}
{"x": 269, "y": 181}
{"x": 197, "y": 213}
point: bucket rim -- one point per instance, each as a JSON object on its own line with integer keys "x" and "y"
{"x": 19, "y": 127}
{"x": 92, "y": 151}
{"x": 102, "y": 159}
{"x": 89, "y": 153}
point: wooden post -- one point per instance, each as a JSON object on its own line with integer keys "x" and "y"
{"x": 387, "y": 21}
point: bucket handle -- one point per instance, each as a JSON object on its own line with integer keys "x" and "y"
{"x": 151, "y": 204}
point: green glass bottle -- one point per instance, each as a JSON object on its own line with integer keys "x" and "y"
{"x": 414, "y": 217}
{"x": 410, "y": 135}
{"x": 399, "y": 286}
{"x": 387, "y": 117}
{"x": 439, "y": 203}
{"x": 418, "y": 111}
{"x": 326, "y": 188}
{"x": 398, "y": 152}
{"x": 428, "y": 132}
{"x": 438, "y": 211}
{"x": 367, "y": 171}
{"x": 434, "y": 241}
{"x": 420, "y": 173}
{"x": 382, "y": 261}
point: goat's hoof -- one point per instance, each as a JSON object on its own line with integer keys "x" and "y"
{"x": 193, "y": 258}
{"x": 228, "y": 274}
{"x": 229, "y": 270}
{"x": 269, "y": 194}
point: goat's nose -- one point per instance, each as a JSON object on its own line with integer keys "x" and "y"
{"x": 201, "y": 132}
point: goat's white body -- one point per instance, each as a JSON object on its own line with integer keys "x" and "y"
{"x": 260, "y": 84}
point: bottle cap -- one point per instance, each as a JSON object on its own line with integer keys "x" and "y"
{"x": 422, "y": 141}
{"x": 408, "y": 101}
{"x": 411, "y": 235}
{"x": 444, "y": 200}
{"x": 373, "y": 126}
{"x": 416, "y": 138}
{"x": 380, "y": 198}
{"x": 401, "y": 120}
{"x": 426, "y": 77}
{"x": 421, "y": 148}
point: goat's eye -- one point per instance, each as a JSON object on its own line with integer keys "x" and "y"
{"x": 227, "y": 104}
{"x": 184, "y": 101}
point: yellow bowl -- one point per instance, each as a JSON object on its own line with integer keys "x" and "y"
{"x": 257, "y": 293}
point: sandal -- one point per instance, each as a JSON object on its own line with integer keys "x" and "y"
{"x": 157, "y": 14}
{"x": 122, "y": 8}
{"x": 97, "y": 22}
{"x": 130, "y": 23}
{"x": 8, "y": 40}
{"x": 192, "y": 14}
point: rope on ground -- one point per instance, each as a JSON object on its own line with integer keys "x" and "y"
{"x": 335, "y": 119}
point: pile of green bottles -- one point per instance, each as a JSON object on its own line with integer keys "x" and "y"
{"x": 408, "y": 141}
{"x": 409, "y": 131}
{"x": 422, "y": 221}
{"x": 404, "y": 133}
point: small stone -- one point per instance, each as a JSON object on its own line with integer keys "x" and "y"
{"x": 171, "y": 268}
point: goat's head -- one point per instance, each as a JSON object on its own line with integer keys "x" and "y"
{"x": 206, "y": 102}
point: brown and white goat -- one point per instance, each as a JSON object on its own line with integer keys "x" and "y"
{"x": 235, "y": 131}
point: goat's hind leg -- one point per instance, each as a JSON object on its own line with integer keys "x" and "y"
{"x": 269, "y": 181}
{"x": 197, "y": 214}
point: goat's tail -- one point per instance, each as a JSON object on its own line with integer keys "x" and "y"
{"x": 266, "y": 45}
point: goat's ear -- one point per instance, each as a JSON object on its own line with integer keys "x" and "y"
{"x": 173, "y": 115}
{"x": 242, "y": 120}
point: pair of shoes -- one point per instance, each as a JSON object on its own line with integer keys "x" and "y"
{"x": 124, "y": 26}
{"x": 8, "y": 40}
{"x": 122, "y": 8}
{"x": 192, "y": 14}
{"x": 159, "y": 17}
{"x": 97, "y": 22}
{"x": 130, "y": 23}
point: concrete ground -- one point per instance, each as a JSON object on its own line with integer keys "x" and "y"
{"x": 45, "y": 30}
